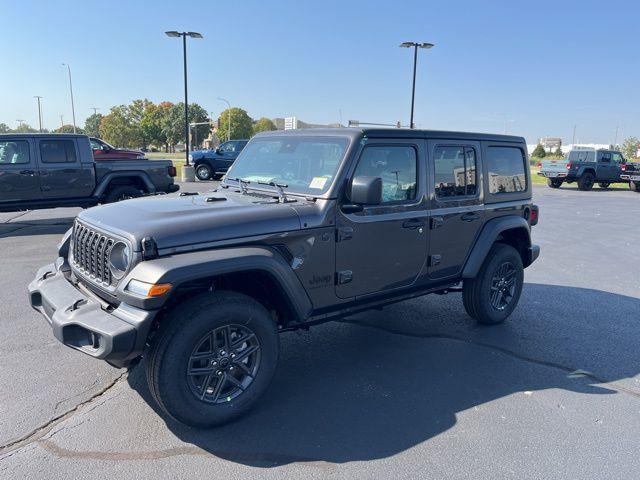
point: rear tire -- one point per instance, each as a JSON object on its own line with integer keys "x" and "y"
{"x": 204, "y": 172}
{"x": 184, "y": 374}
{"x": 586, "y": 181}
{"x": 554, "y": 182}
{"x": 604, "y": 184}
{"x": 124, "y": 192}
{"x": 493, "y": 294}
{"x": 634, "y": 186}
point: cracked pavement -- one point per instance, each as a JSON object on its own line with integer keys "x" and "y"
{"x": 416, "y": 390}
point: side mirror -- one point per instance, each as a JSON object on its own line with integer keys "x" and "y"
{"x": 106, "y": 148}
{"x": 366, "y": 190}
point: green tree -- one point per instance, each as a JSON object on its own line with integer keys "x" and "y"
{"x": 629, "y": 147}
{"x": 539, "y": 152}
{"x": 263, "y": 125}
{"x": 151, "y": 124}
{"x": 241, "y": 125}
{"x": 174, "y": 123}
{"x": 558, "y": 152}
{"x": 92, "y": 125}
{"x": 199, "y": 133}
{"x": 25, "y": 128}
{"x": 117, "y": 128}
{"x": 67, "y": 129}
{"x": 4, "y": 128}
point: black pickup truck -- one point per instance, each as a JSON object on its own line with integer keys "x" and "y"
{"x": 631, "y": 173}
{"x": 55, "y": 170}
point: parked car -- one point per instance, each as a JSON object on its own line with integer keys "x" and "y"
{"x": 103, "y": 151}
{"x": 631, "y": 173}
{"x": 586, "y": 166}
{"x": 308, "y": 226}
{"x": 55, "y": 170}
{"x": 212, "y": 164}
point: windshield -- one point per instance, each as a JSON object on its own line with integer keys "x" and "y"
{"x": 305, "y": 165}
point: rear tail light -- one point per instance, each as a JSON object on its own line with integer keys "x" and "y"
{"x": 569, "y": 166}
{"x": 623, "y": 167}
{"x": 172, "y": 171}
{"x": 534, "y": 215}
{"x": 539, "y": 164}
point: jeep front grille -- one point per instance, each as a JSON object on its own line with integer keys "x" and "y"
{"x": 90, "y": 252}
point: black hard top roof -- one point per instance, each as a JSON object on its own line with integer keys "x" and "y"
{"x": 395, "y": 133}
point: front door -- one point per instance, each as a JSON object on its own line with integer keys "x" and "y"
{"x": 457, "y": 211}
{"x": 383, "y": 247}
{"x": 62, "y": 175}
{"x": 18, "y": 171}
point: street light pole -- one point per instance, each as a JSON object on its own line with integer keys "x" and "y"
{"x": 415, "y": 46}
{"x": 38, "y": 97}
{"x": 73, "y": 108}
{"x": 186, "y": 172}
{"x": 95, "y": 110}
{"x": 228, "y": 117}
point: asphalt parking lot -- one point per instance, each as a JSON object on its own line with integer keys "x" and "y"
{"x": 416, "y": 390}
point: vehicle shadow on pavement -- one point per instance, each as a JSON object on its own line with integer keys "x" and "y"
{"x": 49, "y": 226}
{"x": 380, "y": 383}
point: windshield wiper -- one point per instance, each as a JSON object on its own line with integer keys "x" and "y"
{"x": 282, "y": 197}
{"x": 243, "y": 184}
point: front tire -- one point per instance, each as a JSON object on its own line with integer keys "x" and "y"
{"x": 586, "y": 181}
{"x": 493, "y": 294}
{"x": 204, "y": 172}
{"x": 554, "y": 182}
{"x": 212, "y": 358}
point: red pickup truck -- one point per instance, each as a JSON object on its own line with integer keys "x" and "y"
{"x": 103, "y": 151}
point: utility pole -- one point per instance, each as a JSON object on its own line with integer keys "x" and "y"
{"x": 20, "y": 122}
{"x": 95, "y": 110}
{"x": 573, "y": 142}
{"x": 228, "y": 117}
{"x": 38, "y": 97}
{"x": 73, "y": 108}
{"x": 615, "y": 141}
{"x": 61, "y": 122}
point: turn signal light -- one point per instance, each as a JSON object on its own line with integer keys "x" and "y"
{"x": 148, "y": 290}
{"x": 172, "y": 171}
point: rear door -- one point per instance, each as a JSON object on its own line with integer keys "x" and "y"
{"x": 62, "y": 175}
{"x": 458, "y": 211}
{"x": 18, "y": 170}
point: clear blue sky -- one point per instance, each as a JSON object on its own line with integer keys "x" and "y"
{"x": 543, "y": 66}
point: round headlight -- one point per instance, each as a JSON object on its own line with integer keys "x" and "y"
{"x": 119, "y": 259}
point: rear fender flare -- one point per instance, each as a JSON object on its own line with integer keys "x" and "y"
{"x": 490, "y": 233}
{"x": 109, "y": 177}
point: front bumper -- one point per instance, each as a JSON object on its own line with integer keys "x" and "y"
{"x": 81, "y": 321}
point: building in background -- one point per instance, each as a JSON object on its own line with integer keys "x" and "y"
{"x": 550, "y": 144}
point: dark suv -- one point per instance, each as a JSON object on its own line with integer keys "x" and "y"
{"x": 308, "y": 226}
{"x": 212, "y": 164}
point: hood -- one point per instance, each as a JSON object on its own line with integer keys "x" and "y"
{"x": 191, "y": 220}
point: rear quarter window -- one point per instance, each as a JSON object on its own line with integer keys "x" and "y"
{"x": 506, "y": 170}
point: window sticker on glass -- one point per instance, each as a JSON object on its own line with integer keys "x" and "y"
{"x": 318, "y": 182}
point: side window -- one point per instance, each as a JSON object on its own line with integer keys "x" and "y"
{"x": 227, "y": 147}
{"x": 617, "y": 158}
{"x": 506, "y": 170}
{"x": 57, "y": 151}
{"x": 14, "y": 152}
{"x": 95, "y": 145}
{"x": 396, "y": 165}
{"x": 455, "y": 171}
{"x": 606, "y": 157}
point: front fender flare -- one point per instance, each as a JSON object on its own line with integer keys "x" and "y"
{"x": 490, "y": 233}
{"x": 178, "y": 269}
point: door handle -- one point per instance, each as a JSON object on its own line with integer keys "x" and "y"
{"x": 413, "y": 223}
{"x": 31, "y": 173}
{"x": 470, "y": 217}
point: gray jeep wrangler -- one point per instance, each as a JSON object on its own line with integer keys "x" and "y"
{"x": 307, "y": 226}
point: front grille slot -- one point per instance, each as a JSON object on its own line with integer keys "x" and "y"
{"x": 91, "y": 251}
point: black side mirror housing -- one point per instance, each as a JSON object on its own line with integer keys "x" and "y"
{"x": 366, "y": 190}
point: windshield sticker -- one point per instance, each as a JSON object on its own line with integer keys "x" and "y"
{"x": 318, "y": 182}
